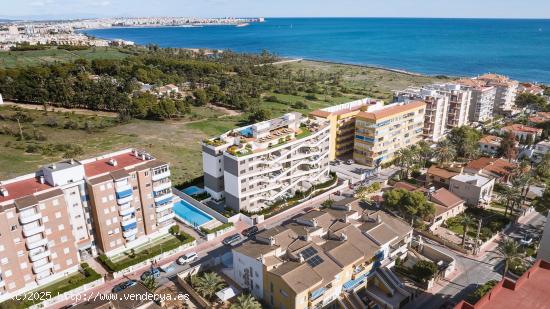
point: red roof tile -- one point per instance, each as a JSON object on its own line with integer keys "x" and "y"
{"x": 102, "y": 166}
{"x": 23, "y": 188}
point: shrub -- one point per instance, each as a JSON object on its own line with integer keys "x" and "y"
{"x": 424, "y": 270}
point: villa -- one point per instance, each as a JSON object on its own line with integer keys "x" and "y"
{"x": 522, "y": 132}
{"x": 490, "y": 144}
{"x": 475, "y": 190}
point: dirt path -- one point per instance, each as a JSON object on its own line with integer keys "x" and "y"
{"x": 78, "y": 111}
{"x": 226, "y": 111}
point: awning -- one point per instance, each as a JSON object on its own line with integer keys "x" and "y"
{"x": 226, "y": 293}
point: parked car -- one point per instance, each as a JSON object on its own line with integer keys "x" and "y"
{"x": 251, "y": 231}
{"x": 123, "y": 286}
{"x": 155, "y": 272}
{"x": 187, "y": 258}
{"x": 526, "y": 241}
{"x": 350, "y": 162}
{"x": 232, "y": 240}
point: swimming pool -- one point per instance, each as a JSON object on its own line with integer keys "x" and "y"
{"x": 193, "y": 190}
{"x": 191, "y": 214}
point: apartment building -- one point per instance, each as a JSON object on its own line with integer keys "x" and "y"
{"x": 252, "y": 166}
{"x": 380, "y": 134}
{"x": 437, "y": 108}
{"x": 53, "y": 219}
{"x": 482, "y": 99}
{"x": 342, "y": 125}
{"x": 506, "y": 91}
{"x": 309, "y": 263}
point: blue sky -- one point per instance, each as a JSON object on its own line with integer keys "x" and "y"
{"x": 275, "y": 8}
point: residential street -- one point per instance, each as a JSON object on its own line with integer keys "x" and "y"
{"x": 470, "y": 271}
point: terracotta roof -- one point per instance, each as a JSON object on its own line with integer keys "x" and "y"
{"x": 23, "y": 188}
{"x": 391, "y": 111}
{"x": 320, "y": 113}
{"x": 493, "y": 165}
{"x": 540, "y": 117}
{"x": 102, "y": 166}
{"x": 521, "y": 128}
{"x": 446, "y": 198}
{"x": 490, "y": 139}
{"x": 531, "y": 290}
{"x": 441, "y": 172}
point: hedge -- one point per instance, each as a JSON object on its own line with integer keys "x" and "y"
{"x": 218, "y": 228}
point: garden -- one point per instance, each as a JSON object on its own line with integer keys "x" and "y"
{"x": 492, "y": 223}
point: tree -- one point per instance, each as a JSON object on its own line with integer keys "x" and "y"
{"x": 464, "y": 139}
{"x": 542, "y": 204}
{"x": 150, "y": 283}
{"x": 258, "y": 115}
{"x": 424, "y": 270}
{"x": 507, "y": 250}
{"x": 543, "y": 168}
{"x": 201, "y": 98}
{"x": 508, "y": 146}
{"x": 466, "y": 222}
{"x": 208, "y": 284}
{"x": 446, "y": 152}
{"x": 410, "y": 204}
{"x": 363, "y": 192}
{"x": 246, "y": 301}
{"x": 532, "y": 101}
{"x": 425, "y": 153}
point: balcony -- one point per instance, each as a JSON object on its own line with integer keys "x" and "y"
{"x": 126, "y": 222}
{"x": 316, "y": 294}
{"x": 130, "y": 233}
{"x": 39, "y": 255}
{"x": 164, "y": 198}
{"x": 165, "y": 218}
{"x": 35, "y": 243}
{"x": 42, "y": 268}
{"x": 164, "y": 207}
{"x": 124, "y": 193}
{"x": 29, "y": 231}
{"x": 2, "y": 283}
{"x": 124, "y": 200}
{"x": 162, "y": 186}
{"x": 30, "y": 218}
{"x": 160, "y": 176}
{"x": 127, "y": 211}
{"x": 129, "y": 226}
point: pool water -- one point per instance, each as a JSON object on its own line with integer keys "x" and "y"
{"x": 193, "y": 190}
{"x": 191, "y": 214}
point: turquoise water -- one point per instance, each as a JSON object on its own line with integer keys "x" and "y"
{"x": 190, "y": 214}
{"x": 518, "y": 48}
{"x": 193, "y": 190}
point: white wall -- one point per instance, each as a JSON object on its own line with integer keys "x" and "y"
{"x": 212, "y": 165}
{"x": 232, "y": 184}
{"x": 242, "y": 264}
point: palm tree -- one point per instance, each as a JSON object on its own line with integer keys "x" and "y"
{"x": 466, "y": 221}
{"x": 445, "y": 152}
{"x": 507, "y": 250}
{"x": 425, "y": 153}
{"x": 246, "y": 301}
{"x": 511, "y": 196}
{"x": 208, "y": 284}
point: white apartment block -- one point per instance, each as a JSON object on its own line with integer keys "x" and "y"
{"x": 482, "y": 101}
{"x": 447, "y": 107}
{"x": 68, "y": 211}
{"x": 506, "y": 91}
{"x": 252, "y": 166}
{"x": 540, "y": 150}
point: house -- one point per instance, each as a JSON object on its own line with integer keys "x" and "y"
{"x": 540, "y": 150}
{"x": 441, "y": 176}
{"x": 522, "y": 132}
{"x": 168, "y": 89}
{"x": 501, "y": 169}
{"x": 531, "y": 290}
{"x": 539, "y": 118}
{"x": 530, "y": 88}
{"x": 490, "y": 144}
{"x": 447, "y": 205}
{"x": 474, "y": 189}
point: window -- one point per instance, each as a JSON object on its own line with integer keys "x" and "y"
{"x": 14, "y": 227}
{"x": 61, "y": 227}
{"x": 55, "y": 202}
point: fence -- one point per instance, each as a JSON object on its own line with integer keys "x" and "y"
{"x": 442, "y": 241}
{"x": 69, "y": 294}
{"x": 157, "y": 258}
{"x": 218, "y": 216}
{"x": 219, "y": 233}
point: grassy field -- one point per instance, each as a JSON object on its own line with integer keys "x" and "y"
{"x": 34, "y": 57}
{"x": 175, "y": 141}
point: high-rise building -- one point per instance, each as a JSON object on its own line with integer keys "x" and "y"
{"x": 482, "y": 101}
{"x": 342, "y": 124}
{"x": 506, "y": 91}
{"x": 446, "y": 107}
{"x": 380, "y": 134}
{"x": 252, "y": 166}
{"x": 67, "y": 211}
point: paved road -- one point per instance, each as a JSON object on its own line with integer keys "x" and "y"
{"x": 472, "y": 272}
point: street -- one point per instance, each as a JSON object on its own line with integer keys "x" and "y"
{"x": 470, "y": 272}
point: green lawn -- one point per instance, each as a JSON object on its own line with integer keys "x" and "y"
{"x": 12, "y": 59}
{"x": 493, "y": 222}
{"x": 145, "y": 251}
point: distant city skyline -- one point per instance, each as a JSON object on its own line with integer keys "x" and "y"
{"x": 65, "y": 9}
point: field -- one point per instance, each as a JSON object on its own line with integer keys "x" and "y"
{"x": 51, "y": 136}
{"x": 33, "y": 57}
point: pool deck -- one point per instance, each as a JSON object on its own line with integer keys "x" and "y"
{"x": 209, "y": 225}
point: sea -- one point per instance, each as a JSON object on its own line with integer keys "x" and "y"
{"x": 519, "y": 48}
